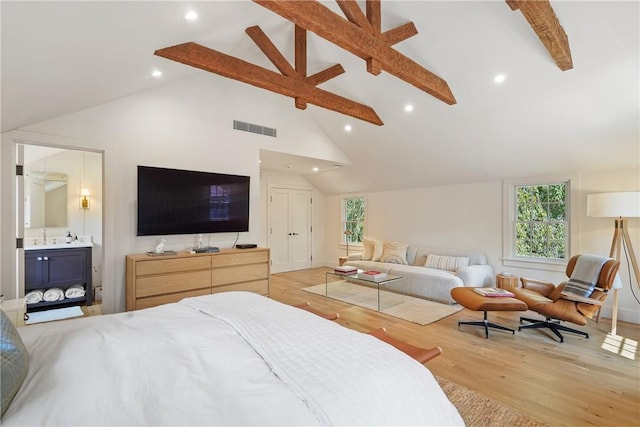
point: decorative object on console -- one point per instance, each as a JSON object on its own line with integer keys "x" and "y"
{"x": 84, "y": 198}
{"x": 160, "y": 246}
{"x": 206, "y": 250}
{"x": 617, "y": 205}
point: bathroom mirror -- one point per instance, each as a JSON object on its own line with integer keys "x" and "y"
{"x": 45, "y": 199}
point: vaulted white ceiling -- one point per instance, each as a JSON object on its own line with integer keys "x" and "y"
{"x": 61, "y": 57}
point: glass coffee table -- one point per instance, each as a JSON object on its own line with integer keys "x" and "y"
{"x": 376, "y": 295}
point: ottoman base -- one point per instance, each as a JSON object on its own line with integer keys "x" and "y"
{"x": 487, "y": 325}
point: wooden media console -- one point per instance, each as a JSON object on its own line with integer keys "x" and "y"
{"x": 159, "y": 280}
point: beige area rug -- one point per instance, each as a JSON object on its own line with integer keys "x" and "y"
{"x": 481, "y": 411}
{"x": 414, "y": 310}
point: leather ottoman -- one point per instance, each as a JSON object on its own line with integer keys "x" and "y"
{"x": 470, "y": 299}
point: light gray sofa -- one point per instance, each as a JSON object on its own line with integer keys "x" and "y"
{"x": 432, "y": 283}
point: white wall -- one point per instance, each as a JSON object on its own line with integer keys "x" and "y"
{"x": 178, "y": 126}
{"x": 470, "y": 217}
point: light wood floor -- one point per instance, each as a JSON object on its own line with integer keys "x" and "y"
{"x": 581, "y": 382}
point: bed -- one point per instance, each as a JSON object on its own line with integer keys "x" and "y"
{"x": 233, "y": 358}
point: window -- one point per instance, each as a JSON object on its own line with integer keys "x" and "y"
{"x": 353, "y": 219}
{"x": 540, "y": 216}
{"x": 541, "y": 225}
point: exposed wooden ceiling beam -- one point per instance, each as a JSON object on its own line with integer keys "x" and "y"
{"x": 374, "y": 15}
{"x": 271, "y": 51}
{"x": 354, "y": 14}
{"x": 398, "y": 34}
{"x": 365, "y": 43}
{"x": 211, "y": 60}
{"x": 543, "y": 20}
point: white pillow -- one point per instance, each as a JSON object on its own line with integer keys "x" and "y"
{"x": 449, "y": 263}
{"x": 394, "y": 252}
{"x": 371, "y": 249}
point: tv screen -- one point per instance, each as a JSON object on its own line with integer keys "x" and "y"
{"x": 173, "y": 201}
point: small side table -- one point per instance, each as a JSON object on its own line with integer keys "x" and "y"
{"x": 342, "y": 260}
{"x": 506, "y": 281}
{"x": 16, "y": 310}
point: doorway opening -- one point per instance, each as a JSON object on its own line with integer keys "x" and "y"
{"x": 59, "y": 194}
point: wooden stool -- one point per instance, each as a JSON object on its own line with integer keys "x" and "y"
{"x": 472, "y": 300}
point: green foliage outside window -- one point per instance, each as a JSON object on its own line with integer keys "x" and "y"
{"x": 541, "y": 221}
{"x": 353, "y": 219}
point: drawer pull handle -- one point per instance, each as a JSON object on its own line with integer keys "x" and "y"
{"x": 46, "y": 258}
{"x": 39, "y": 258}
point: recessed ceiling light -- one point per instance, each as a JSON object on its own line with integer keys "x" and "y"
{"x": 347, "y": 128}
{"x": 191, "y": 16}
{"x": 408, "y": 108}
{"x": 315, "y": 169}
{"x": 156, "y": 73}
{"x": 499, "y": 78}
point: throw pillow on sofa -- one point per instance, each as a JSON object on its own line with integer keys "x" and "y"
{"x": 394, "y": 252}
{"x": 371, "y": 249}
{"x": 449, "y": 263}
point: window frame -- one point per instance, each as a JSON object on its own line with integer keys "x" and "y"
{"x": 343, "y": 219}
{"x": 509, "y": 257}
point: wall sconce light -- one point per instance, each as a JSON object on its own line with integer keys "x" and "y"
{"x": 84, "y": 199}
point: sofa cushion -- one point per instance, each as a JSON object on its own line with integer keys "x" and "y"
{"x": 421, "y": 253}
{"x": 443, "y": 262}
{"x": 394, "y": 252}
{"x": 371, "y": 249}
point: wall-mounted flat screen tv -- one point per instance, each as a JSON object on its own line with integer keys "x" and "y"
{"x": 173, "y": 201}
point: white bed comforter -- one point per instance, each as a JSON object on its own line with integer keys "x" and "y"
{"x": 232, "y": 358}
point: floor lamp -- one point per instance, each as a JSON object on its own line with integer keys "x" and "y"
{"x": 618, "y": 205}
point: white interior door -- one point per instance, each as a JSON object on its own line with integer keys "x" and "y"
{"x": 289, "y": 229}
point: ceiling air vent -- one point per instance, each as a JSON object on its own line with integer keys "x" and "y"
{"x": 250, "y": 127}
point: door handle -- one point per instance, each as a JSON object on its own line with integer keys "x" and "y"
{"x": 295, "y": 234}
{"x": 46, "y": 258}
{"x": 39, "y": 258}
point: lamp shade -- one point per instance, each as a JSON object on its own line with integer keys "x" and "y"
{"x": 613, "y": 205}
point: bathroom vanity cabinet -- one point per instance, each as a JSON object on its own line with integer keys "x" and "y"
{"x": 58, "y": 268}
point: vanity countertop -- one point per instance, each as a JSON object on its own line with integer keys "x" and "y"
{"x": 58, "y": 246}
{"x": 82, "y": 242}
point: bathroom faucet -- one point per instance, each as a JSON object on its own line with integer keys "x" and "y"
{"x": 44, "y": 236}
